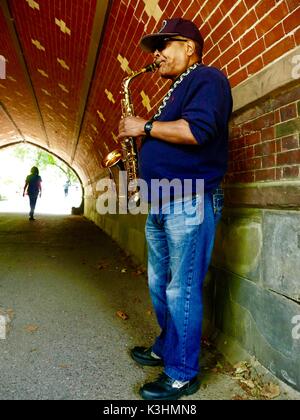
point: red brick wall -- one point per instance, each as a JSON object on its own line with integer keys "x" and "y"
{"x": 241, "y": 38}
{"x": 264, "y": 141}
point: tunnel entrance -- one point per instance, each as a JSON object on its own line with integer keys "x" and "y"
{"x": 62, "y": 191}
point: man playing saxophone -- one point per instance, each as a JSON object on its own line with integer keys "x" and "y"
{"x": 187, "y": 139}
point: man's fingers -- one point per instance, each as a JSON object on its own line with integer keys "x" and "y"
{"x": 121, "y": 128}
{"x": 130, "y": 127}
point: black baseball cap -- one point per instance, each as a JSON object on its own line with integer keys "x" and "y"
{"x": 170, "y": 29}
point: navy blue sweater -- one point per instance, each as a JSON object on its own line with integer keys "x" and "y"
{"x": 204, "y": 100}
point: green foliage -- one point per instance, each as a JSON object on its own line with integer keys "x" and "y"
{"x": 42, "y": 159}
{"x": 24, "y": 152}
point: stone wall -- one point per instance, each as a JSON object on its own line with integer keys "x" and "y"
{"x": 126, "y": 230}
{"x": 255, "y": 272}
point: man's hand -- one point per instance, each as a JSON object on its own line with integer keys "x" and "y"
{"x": 131, "y": 127}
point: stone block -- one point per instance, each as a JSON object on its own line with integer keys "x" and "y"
{"x": 262, "y": 322}
{"x": 281, "y": 259}
{"x": 238, "y": 243}
{"x": 208, "y": 305}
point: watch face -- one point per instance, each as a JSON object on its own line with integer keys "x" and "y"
{"x": 148, "y": 127}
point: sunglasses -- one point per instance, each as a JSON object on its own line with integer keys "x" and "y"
{"x": 161, "y": 44}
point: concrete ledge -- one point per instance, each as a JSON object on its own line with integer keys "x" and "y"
{"x": 279, "y": 73}
{"x": 284, "y": 195}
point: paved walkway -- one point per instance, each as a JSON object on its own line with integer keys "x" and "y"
{"x": 62, "y": 281}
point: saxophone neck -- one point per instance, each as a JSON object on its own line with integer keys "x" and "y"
{"x": 126, "y": 82}
{"x": 133, "y": 75}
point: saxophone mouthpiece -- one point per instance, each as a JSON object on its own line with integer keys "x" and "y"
{"x": 153, "y": 66}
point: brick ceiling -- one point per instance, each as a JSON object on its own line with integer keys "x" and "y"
{"x": 51, "y": 50}
{"x": 65, "y": 61}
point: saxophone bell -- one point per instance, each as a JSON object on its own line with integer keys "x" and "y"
{"x": 112, "y": 158}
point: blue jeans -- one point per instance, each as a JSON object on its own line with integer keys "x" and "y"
{"x": 179, "y": 253}
{"x": 32, "y": 202}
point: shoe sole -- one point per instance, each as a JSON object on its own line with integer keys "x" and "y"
{"x": 188, "y": 391}
{"x": 144, "y": 362}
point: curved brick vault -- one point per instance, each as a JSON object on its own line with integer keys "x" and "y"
{"x": 65, "y": 61}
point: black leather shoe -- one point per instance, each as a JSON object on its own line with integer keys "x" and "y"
{"x": 142, "y": 355}
{"x": 166, "y": 388}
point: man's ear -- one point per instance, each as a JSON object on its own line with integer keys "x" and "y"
{"x": 190, "y": 47}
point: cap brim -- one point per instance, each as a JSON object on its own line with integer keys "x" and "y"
{"x": 148, "y": 43}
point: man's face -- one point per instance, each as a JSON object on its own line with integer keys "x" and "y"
{"x": 172, "y": 56}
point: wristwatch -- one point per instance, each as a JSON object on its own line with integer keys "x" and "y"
{"x": 148, "y": 127}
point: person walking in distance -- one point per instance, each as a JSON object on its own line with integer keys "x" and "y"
{"x": 33, "y": 188}
{"x": 186, "y": 140}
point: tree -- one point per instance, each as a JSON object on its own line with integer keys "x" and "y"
{"x": 42, "y": 159}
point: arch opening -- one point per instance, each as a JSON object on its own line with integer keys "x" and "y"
{"x": 62, "y": 189}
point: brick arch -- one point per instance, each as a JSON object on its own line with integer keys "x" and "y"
{"x": 5, "y": 146}
{"x": 65, "y": 64}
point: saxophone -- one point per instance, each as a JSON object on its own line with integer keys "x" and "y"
{"x": 127, "y": 153}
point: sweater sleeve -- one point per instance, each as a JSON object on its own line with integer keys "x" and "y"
{"x": 207, "y": 105}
